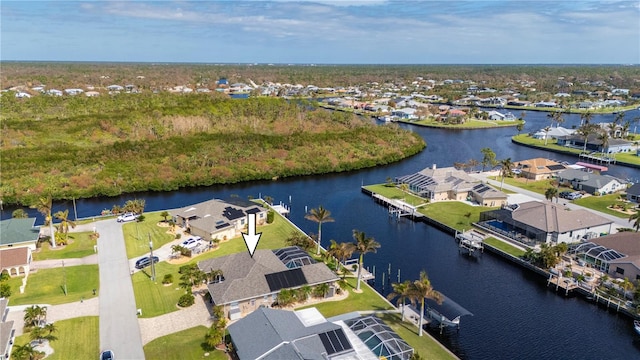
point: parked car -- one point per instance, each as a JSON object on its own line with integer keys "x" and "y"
{"x": 574, "y": 196}
{"x": 107, "y": 355}
{"x": 145, "y": 261}
{"x": 127, "y": 217}
{"x": 191, "y": 242}
{"x": 564, "y": 194}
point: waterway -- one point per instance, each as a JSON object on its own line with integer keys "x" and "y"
{"x": 515, "y": 316}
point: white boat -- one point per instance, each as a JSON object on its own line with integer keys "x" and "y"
{"x": 636, "y": 326}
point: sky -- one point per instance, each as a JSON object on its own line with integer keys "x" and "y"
{"x": 323, "y": 32}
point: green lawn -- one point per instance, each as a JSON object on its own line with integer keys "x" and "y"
{"x": 425, "y": 346}
{"x": 455, "y": 214}
{"x": 136, "y": 234}
{"x": 80, "y": 245}
{"x": 46, "y": 286}
{"x": 78, "y": 338}
{"x": 508, "y": 248}
{"x": 369, "y": 299}
{"x": 468, "y": 124}
{"x": 539, "y": 186}
{"x": 601, "y": 203}
{"x": 156, "y": 299}
{"x": 186, "y": 344}
{"x": 392, "y": 192}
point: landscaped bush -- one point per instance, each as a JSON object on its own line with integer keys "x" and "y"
{"x": 186, "y": 300}
{"x": 178, "y": 236}
{"x": 168, "y": 279}
{"x": 270, "y": 216}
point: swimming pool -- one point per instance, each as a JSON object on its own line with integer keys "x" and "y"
{"x": 498, "y": 225}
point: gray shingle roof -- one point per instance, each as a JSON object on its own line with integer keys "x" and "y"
{"x": 551, "y": 217}
{"x": 210, "y": 214}
{"x": 15, "y": 231}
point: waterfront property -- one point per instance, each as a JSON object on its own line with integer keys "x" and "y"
{"x": 595, "y": 144}
{"x": 19, "y": 232}
{"x": 539, "y": 168}
{"x": 537, "y": 222}
{"x": 591, "y": 183}
{"x": 618, "y": 254}
{"x": 218, "y": 219}
{"x": 306, "y": 334}
{"x": 633, "y": 193}
{"x": 248, "y": 283}
{"x": 450, "y": 183}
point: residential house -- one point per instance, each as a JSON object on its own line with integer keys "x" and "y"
{"x": 440, "y": 184}
{"x": 618, "y": 254}
{"x": 539, "y": 168}
{"x": 7, "y": 332}
{"x": 405, "y": 113}
{"x": 14, "y": 259}
{"x": 218, "y": 219}
{"x": 306, "y": 334}
{"x": 591, "y": 183}
{"x": 537, "y": 222}
{"x": 545, "y": 104}
{"x": 248, "y": 283}
{"x": 73, "y": 92}
{"x": 558, "y": 132}
{"x": 633, "y": 193}
{"x": 19, "y": 233}
{"x": 594, "y": 143}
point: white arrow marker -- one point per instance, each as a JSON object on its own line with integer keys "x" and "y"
{"x": 251, "y": 239}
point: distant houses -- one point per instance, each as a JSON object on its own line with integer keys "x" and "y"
{"x": 591, "y": 183}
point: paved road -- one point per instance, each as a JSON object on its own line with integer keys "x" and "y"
{"x": 54, "y": 263}
{"x": 119, "y": 330}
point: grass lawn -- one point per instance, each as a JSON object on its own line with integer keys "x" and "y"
{"x": 186, "y": 344}
{"x": 80, "y": 245}
{"x": 46, "y": 286}
{"x": 367, "y": 300}
{"x": 425, "y": 346}
{"x": 78, "y": 338}
{"x": 539, "y": 186}
{"x": 508, "y": 248}
{"x": 136, "y": 234}
{"x": 156, "y": 299}
{"x": 601, "y": 203}
{"x": 468, "y": 124}
{"x": 455, "y": 214}
{"x": 392, "y": 192}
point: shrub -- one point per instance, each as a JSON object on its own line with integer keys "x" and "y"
{"x": 178, "y": 235}
{"x": 5, "y": 290}
{"x": 186, "y": 300}
{"x": 270, "y": 216}
{"x": 140, "y": 218}
{"x": 168, "y": 279}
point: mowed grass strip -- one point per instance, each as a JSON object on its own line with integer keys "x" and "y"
{"x": 156, "y": 299}
{"x": 137, "y": 234}
{"x": 186, "y": 344}
{"x": 80, "y": 245}
{"x": 454, "y": 214}
{"x": 392, "y": 192}
{"x": 501, "y": 245}
{"x": 78, "y": 338}
{"x": 602, "y": 203}
{"x": 426, "y": 346}
{"x": 46, "y": 286}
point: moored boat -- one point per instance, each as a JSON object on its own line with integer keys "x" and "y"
{"x": 636, "y": 326}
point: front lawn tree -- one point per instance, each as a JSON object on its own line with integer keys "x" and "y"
{"x": 403, "y": 292}
{"x": 505, "y": 169}
{"x": 363, "y": 245}
{"x": 319, "y": 215}
{"x": 44, "y": 206}
{"x": 550, "y": 193}
{"x": 65, "y": 222}
{"x": 488, "y": 158}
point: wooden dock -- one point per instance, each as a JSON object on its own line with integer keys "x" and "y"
{"x": 470, "y": 242}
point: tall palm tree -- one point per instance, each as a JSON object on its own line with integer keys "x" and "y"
{"x": 34, "y": 316}
{"x": 585, "y": 130}
{"x": 363, "y": 245}
{"x": 24, "y": 352}
{"x": 505, "y": 169}
{"x": 421, "y": 289}
{"x": 604, "y": 139}
{"x": 636, "y": 220}
{"x": 585, "y": 118}
{"x": 65, "y": 222}
{"x": 403, "y": 292}
{"x": 319, "y": 215}
{"x": 44, "y": 206}
{"x": 550, "y": 193}
{"x": 546, "y": 134}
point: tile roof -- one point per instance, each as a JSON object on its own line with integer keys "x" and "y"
{"x": 553, "y": 217}
{"x": 539, "y": 166}
{"x": 14, "y": 256}
{"x": 627, "y": 242}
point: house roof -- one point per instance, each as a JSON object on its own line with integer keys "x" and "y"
{"x": 284, "y": 335}
{"x": 5, "y": 335}
{"x": 634, "y": 189}
{"x": 540, "y": 166}
{"x": 3, "y": 308}
{"x": 15, "y": 256}
{"x": 247, "y": 277}
{"x": 551, "y": 217}
{"x": 595, "y": 181}
{"x": 214, "y": 215}
{"x": 441, "y": 179}
{"x": 17, "y": 231}
{"x": 627, "y": 242}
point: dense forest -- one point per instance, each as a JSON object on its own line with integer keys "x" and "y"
{"x": 73, "y": 147}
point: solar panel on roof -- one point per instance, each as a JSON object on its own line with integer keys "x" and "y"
{"x": 285, "y": 279}
{"x": 222, "y": 226}
{"x": 335, "y": 341}
{"x": 555, "y": 167}
{"x": 232, "y": 213}
{"x": 253, "y": 211}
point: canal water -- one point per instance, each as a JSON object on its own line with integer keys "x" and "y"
{"x": 515, "y": 316}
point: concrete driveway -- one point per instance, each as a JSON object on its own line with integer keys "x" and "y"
{"x": 119, "y": 330}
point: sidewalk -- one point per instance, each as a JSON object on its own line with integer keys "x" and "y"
{"x": 54, "y": 263}
{"x": 55, "y": 313}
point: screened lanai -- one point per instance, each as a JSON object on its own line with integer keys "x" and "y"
{"x": 293, "y": 257}
{"x": 379, "y": 337}
{"x": 597, "y": 255}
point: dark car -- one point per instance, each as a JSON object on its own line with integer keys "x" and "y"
{"x": 145, "y": 261}
{"x": 564, "y": 194}
{"x": 107, "y": 355}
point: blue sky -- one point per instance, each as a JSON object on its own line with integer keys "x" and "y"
{"x": 320, "y": 32}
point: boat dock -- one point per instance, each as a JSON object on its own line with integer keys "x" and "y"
{"x": 353, "y": 263}
{"x": 597, "y": 158}
{"x": 470, "y": 242}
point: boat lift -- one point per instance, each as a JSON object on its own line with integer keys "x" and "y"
{"x": 470, "y": 242}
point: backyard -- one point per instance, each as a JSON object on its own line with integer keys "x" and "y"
{"x": 454, "y": 214}
{"x": 186, "y": 344}
{"x": 393, "y": 192}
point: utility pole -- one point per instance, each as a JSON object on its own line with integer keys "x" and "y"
{"x": 153, "y": 266}
{"x": 64, "y": 277}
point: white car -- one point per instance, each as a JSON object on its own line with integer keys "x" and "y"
{"x": 127, "y": 217}
{"x": 191, "y": 242}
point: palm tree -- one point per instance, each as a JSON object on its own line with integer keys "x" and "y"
{"x": 44, "y": 206}
{"x": 586, "y": 130}
{"x": 546, "y": 134}
{"x": 321, "y": 290}
{"x": 402, "y": 291}
{"x": 63, "y": 228}
{"x": 404, "y": 187}
{"x": 604, "y": 138}
{"x": 585, "y": 118}
{"x": 636, "y": 220}
{"x": 34, "y": 316}
{"x": 550, "y": 193}
{"x": 24, "y": 352}
{"x": 165, "y": 214}
{"x": 472, "y": 163}
{"x": 505, "y": 169}
{"x": 19, "y": 214}
{"x": 319, "y": 215}
{"x": 363, "y": 245}
{"x": 421, "y": 289}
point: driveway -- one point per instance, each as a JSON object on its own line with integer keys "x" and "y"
{"x": 119, "y": 330}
